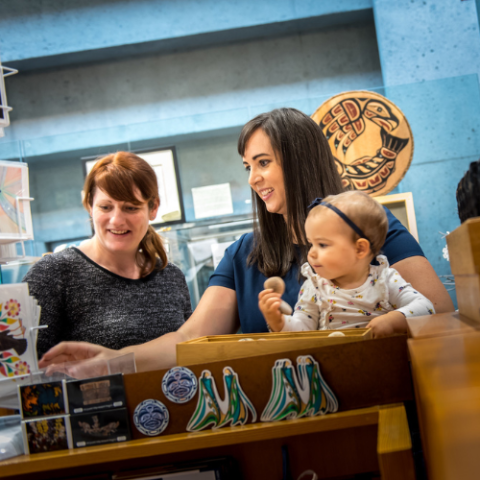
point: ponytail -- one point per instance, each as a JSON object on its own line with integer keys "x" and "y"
{"x": 151, "y": 248}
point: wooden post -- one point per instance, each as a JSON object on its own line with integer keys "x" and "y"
{"x": 394, "y": 447}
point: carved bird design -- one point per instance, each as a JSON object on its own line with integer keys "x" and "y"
{"x": 373, "y": 120}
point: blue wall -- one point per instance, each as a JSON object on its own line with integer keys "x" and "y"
{"x": 99, "y": 75}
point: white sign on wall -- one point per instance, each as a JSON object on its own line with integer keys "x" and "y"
{"x": 212, "y": 201}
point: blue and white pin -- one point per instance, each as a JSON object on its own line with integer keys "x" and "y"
{"x": 179, "y": 385}
{"x": 151, "y": 417}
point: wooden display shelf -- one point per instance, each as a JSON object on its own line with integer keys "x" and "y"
{"x": 227, "y": 347}
{"x": 367, "y": 431}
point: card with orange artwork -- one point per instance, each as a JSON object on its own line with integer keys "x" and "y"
{"x": 19, "y": 313}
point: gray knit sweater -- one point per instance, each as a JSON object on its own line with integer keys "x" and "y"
{"x": 83, "y": 301}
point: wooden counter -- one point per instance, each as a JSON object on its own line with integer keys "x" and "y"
{"x": 446, "y": 371}
{"x": 440, "y": 324}
{"x": 372, "y": 439}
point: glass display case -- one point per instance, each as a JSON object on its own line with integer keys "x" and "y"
{"x": 197, "y": 248}
{"x": 14, "y": 271}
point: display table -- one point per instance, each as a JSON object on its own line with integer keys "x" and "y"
{"x": 356, "y": 441}
{"x": 445, "y": 356}
{"x": 440, "y": 324}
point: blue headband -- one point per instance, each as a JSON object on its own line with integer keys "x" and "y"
{"x": 319, "y": 201}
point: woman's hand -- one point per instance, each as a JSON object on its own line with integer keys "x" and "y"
{"x": 77, "y": 359}
{"x": 75, "y": 351}
{"x": 388, "y": 324}
{"x": 269, "y": 304}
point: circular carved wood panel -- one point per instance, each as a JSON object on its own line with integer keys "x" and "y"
{"x": 370, "y": 139}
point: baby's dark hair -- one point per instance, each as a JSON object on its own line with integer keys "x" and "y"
{"x": 365, "y": 212}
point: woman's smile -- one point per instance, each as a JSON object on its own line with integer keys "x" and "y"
{"x": 119, "y": 226}
{"x": 266, "y": 193}
{"x": 265, "y": 172}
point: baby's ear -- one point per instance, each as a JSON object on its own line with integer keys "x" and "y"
{"x": 362, "y": 248}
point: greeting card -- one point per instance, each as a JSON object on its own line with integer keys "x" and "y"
{"x": 19, "y": 313}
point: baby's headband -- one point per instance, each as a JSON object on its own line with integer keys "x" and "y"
{"x": 319, "y": 201}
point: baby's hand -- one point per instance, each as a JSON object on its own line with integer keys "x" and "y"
{"x": 269, "y": 304}
{"x": 388, "y": 324}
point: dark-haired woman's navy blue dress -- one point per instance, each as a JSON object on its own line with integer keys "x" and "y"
{"x": 247, "y": 281}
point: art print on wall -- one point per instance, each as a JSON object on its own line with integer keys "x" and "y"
{"x": 15, "y": 214}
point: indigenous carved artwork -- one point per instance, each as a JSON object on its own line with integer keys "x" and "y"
{"x": 213, "y": 412}
{"x": 370, "y": 139}
{"x": 179, "y": 384}
{"x": 298, "y": 393}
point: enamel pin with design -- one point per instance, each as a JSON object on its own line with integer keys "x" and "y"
{"x": 151, "y": 417}
{"x": 179, "y": 385}
{"x": 213, "y": 412}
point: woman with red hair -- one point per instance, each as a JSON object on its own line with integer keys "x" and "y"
{"x": 117, "y": 288}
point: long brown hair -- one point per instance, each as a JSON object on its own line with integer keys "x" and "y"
{"x": 117, "y": 175}
{"x": 309, "y": 171}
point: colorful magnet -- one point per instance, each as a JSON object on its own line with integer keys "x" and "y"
{"x": 46, "y": 434}
{"x": 42, "y": 399}
{"x": 179, "y": 385}
{"x": 298, "y": 393}
{"x": 151, "y": 417}
{"x": 212, "y": 411}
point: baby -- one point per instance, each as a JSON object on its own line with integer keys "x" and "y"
{"x": 342, "y": 289}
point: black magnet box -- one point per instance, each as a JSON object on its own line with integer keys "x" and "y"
{"x": 96, "y": 394}
{"x": 98, "y": 428}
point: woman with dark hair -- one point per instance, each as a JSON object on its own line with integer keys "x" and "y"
{"x": 468, "y": 193}
{"x": 289, "y": 164}
{"x": 117, "y": 288}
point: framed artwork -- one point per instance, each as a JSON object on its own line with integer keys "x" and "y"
{"x": 401, "y": 205}
{"x": 165, "y": 165}
{"x": 15, "y": 214}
